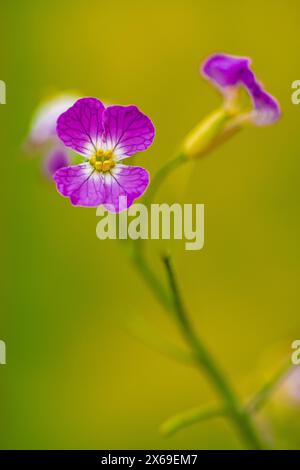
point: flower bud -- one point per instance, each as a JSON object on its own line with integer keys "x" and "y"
{"x": 206, "y": 134}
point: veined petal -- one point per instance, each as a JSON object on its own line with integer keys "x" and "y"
{"x": 226, "y": 71}
{"x": 82, "y": 184}
{"x": 123, "y": 186}
{"x": 127, "y": 130}
{"x": 57, "y": 158}
{"x": 80, "y": 127}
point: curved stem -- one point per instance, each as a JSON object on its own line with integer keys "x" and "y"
{"x": 195, "y": 415}
{"x": 206, "y": 362}
{"x": 261, "y": 397}
{"x": 138, "y": 254}
{"x": 162, "y": 174}
{"x": 239, "y": 415}
{"x": 199, "y": 414}
{"x": 149, "y": 276}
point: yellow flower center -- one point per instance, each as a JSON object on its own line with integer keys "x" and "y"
{"x": 102, "y": 160}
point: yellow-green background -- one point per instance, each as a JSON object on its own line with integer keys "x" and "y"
{"x": 75, "y": 377}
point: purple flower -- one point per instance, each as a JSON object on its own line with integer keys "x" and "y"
{"x": 55, "y": 159}
{"x": 42, "y": 135}
{"x": 104, "y": 137}
{"x": 231, "y": 72}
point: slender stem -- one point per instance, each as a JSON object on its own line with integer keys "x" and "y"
{"x": 266, "y": 391}
{"x": 206, "y": 362}
{"x": 141, "y": 330}
{"x": 202, "y": 138}
{"x": 199, "y": 414}
{"x": 210, "y": 133}
{"x": 138, "y": 254}
{"x": 203, "y": 359}
{"x": 162, "y": 174}
{"x": 195, "y": 415}
{"x": 150, "y": 277}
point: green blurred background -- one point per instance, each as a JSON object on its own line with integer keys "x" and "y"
{"x": 76, "y": 376}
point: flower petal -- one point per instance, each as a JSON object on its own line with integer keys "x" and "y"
{"x": 127, "y": 130}
{"x": 80, "y": 127}
{"x": 266, "y": 108}
{"x": 43, "y": 127}
{"x": 57, "y": 158}
{"x": 227, "y": 71}
{"x": 123, "y": 186}
{"x": 82, "y": 184}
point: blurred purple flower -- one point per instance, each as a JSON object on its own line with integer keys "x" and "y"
{"x": 291, "y": 387}
{"x": 55, "y": 159}
{"x": 229, "y": 73}
{"x": 104, "y": 136}
{"x": 42, "y": 135}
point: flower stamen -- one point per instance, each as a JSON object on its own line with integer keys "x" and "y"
{"x": 102, "y": 160}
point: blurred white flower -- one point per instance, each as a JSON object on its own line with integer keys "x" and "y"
{"x": 290, "y": 390}
{"x": 42, "y": 136}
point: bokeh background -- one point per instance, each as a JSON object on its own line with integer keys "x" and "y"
{"x": 78, "y": 376}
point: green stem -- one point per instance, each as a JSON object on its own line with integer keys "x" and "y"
{"x": 205, "y": 362}
{"x": 201, "y": 356}
{"x": 141, "y": 330}
{"x": 195, "y": 415}
{"x": 199, "y": 414}
{"x": 203, "y": 139}
{"x": 161, "y": 175}
{"x": 138, "y": 254}
{"x": 266, "y": 391}
{"x": 149, "y": 276}
{"x": 208, "y": 131}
